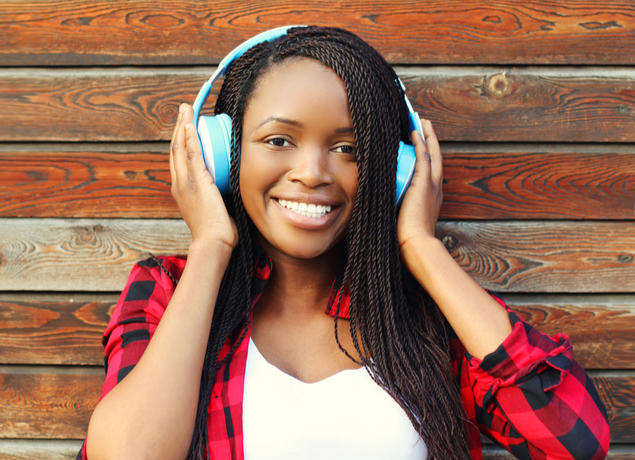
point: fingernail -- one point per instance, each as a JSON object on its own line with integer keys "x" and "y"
{"x": 182, "y": 107}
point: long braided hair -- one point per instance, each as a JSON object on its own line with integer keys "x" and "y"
{"x": 402, "y": 335}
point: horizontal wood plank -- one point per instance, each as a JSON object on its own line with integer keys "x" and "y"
{"x": 538, "y": 185}
{"x": 36, "y": 449}
{"x": 526, "y": 104}
{"x": 617, "y": 392}
{"x": 420, "y": 31}
{"x": 48, "y": 404}
{"x": 77, "y": 184}
{"x": 601, "y": 328}
{"x": 57, "y": 405}
{"x": 55, "y": 329}
{"x": 478, "y": 185}
{"x": 96, "y": 255}
{"x": 82, "y": 254}
{"x": 465, "y": 104}
{"x": 29, "y": 449}
{"x": 626, "y": 452}
{"x": 544, "y": 256}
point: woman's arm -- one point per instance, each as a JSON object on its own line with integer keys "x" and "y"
{"x": 524, "y": 387}
{"x": 151, "y": 413}
{"x": 478, "y": 320}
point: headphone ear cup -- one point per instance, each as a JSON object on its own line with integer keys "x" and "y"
{"x": 214, "y": 134}
{"x": 406, "y": 160}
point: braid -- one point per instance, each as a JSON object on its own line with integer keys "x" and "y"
{"x": 397, "y": 331}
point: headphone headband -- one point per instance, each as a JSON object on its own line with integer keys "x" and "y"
{"x": 234, "y": 54}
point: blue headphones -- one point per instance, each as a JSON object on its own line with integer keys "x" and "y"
{"x": 215, "y": 132}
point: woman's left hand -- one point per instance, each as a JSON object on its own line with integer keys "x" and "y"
{"x": 421, "y": 204}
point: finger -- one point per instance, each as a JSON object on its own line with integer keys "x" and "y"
{"x": 193, "y": 149}
{"x": 177, "y": 149}
{"x": 178, "y": 119}
{"x": 172, "y": 145}
{"x": 434, "y": 149}
{"x": 421, "y": 151}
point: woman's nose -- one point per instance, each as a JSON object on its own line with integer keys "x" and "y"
{"x": 311, "y": 167}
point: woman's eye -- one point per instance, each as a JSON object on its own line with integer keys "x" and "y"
{"x": 347, "y": 149}
{"x": 278, "y": 142}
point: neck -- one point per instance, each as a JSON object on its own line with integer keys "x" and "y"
{"x": 301, "y": 286}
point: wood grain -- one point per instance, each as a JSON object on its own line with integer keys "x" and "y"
{"x": 601, "y": 328}
{"x": 478, "y": 184}
{"x": 66, "y": 450}
{"x": 81, "y": 255}
{"x": 544, "y": 256}
{"x": 46, "y": 405}
{"x": 58, "y": 329}
{"x": 96, "y": 255}
{"x": 86, "y": 184}
{"x": 617, "y": 392}
{"x": 538, "y": 185}
{"x": 529, "y": 104}
{"x": 30, "y": 449}
{"x": 464, "y": 103}
{"x": 50, "y": 329}
{"x": 615, "y": 453}
{"x": 407, "y": 31}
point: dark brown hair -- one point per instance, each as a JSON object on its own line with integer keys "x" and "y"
{"x": 403, "y": 344}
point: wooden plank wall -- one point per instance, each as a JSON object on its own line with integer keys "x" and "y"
{"x": 534, "y": 102}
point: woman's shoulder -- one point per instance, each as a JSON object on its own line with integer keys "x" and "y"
{"x": 146, "y": 294}
{"x": 151, "y": 280}
{"x": 165, "y": 270}
{"x": 173, "y": 264}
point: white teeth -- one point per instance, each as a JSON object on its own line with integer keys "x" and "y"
{"x": 309, "y": 210}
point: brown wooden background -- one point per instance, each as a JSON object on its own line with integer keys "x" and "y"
{"x": 534, "y": 102}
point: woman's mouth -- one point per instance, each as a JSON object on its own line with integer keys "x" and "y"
{"x": 314, "y": 211}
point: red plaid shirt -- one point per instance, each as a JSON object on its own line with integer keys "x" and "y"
{"x": 529, "y": 395}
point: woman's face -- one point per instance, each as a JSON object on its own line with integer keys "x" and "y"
{"x": 298, "y": 170}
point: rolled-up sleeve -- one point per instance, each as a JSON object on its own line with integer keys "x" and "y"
{"x": 535, "y": 400}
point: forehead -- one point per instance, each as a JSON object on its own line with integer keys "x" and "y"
{"x": 301, "y": 87}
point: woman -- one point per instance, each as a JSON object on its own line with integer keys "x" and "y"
{"x": 243, "y": 360}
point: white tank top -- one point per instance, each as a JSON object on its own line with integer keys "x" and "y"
{"x": 345, "y": 416}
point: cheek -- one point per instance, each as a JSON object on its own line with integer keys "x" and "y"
{"x": 257, "y": 175}
{"x": 350, "y": 181}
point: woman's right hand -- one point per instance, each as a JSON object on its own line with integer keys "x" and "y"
{"x": 193, "y": 188}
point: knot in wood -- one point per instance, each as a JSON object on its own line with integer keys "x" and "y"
{"x": 497, "y": 85}
{"x": 449, "y": 242}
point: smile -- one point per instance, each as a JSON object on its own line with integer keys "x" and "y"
{"x": 314, "y": 211}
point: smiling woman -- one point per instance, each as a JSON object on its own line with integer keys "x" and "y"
{"x": 311, "y": 268}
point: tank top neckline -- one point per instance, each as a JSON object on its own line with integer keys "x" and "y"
{"x": 339, "y": 374}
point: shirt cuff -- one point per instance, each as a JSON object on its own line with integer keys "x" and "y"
{"x": 523, "y": 354}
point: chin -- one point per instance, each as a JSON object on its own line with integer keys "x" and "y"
{"x": 305, "y": 252}
{"x": 303, "y": 248}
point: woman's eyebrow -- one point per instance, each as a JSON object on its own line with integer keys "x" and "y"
{"x": 280, "y": 120}
{"x": 345, "y": 130}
